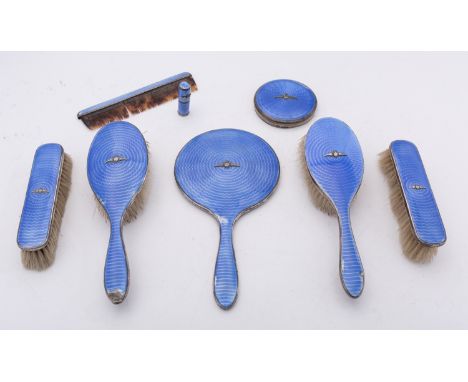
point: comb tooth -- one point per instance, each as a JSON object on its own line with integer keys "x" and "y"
{"x": 116, "y": 113}
{"x": 151, "y": 99}
{"x": 138, "y": 104}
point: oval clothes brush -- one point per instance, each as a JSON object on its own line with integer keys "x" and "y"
{"x": 44, "y": 205}
{"x": 333, "y": 159}
{"x": 227, "y": 172}
{"x": 117, "y": 169}
{"x": 421, "y": 228}
{"x": 285, "y": 103}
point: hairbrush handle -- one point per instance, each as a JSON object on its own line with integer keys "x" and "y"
{"x": 225, "y": 278}
{"x": 351, "y": 270}
{"x": 116, "y": 268}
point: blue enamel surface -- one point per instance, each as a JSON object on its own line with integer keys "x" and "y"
{"x": 184, "y": 91}
{"x": 422, "y": 207}
{"x": 117, "y": 167}
{"x": 38, "y": 208}
{"x": 285, "y": 101}
{"x": 227, "y": 172}
{"x": 339, "y": 177}
{"x": 134, "y": 93}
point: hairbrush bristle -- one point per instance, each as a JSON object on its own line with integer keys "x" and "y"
{"x": 138, "y": 203}
{"x": 132, "y": 211}
{"x": 412, "y": 247}
{"x": 44, "y": 257}
{"x": 319, "y": 199}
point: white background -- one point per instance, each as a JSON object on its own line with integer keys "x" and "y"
{"x": 243, "y": 25}
{"x": 287, "y": 251}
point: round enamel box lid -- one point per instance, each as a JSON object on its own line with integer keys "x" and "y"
{"x": 285, "y": 103}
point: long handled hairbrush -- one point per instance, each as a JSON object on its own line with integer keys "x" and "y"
{"x": 421, "y": 228}
{"x": 333, "y": 159}
{"x": 44, "y": 205}
{"x": 228, "y": 173}
{"x": 117, "y": 169}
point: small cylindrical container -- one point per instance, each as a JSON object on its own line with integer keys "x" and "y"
{"x": 184, "y": 98}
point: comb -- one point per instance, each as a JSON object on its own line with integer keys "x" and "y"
{"x": 135, "y": 102}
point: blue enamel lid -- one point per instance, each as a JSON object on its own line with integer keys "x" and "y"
{"x": 285, "y": 103}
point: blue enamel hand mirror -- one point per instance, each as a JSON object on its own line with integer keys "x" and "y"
{"x": 227, "y": 172}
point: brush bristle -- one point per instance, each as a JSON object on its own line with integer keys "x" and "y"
{"x": 135, "y": 105}
{"x": 43, "y": 258}
{"x": 319, "y": 199}
{"x": 137, "y": 205}
{"x": 412, "y": 247}
{"x": 132, "y": 211}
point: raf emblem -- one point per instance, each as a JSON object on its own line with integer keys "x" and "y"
{"x": 116, "y": 159}
{"x": 227, "y": 164}
{"x": 286, "y": 96}
{"x": 40, "y": 191}
{"x": 335, "y": 154}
